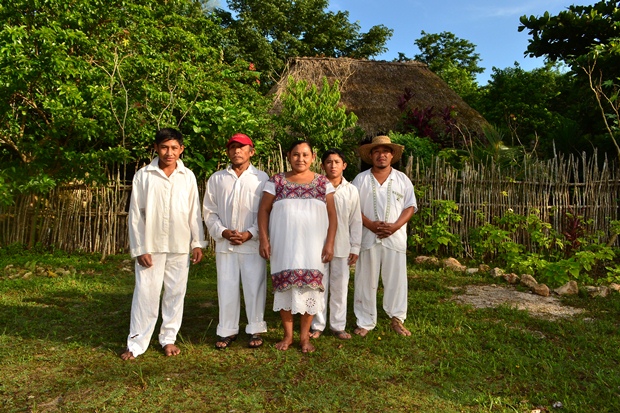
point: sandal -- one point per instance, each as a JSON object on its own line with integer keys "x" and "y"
{"x": 224, "y": 342}
{"x": 341, "y": 334}
{"x": 255, "y": 341}
{"x": 398, "y": 326}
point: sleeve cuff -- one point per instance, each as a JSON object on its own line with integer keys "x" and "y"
{"x": 136, "y": 252}
{"x": 199, "y": 244}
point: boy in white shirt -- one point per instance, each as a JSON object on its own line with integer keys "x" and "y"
{"x": 346, "y": 247}
{"x": 230, "y": 207}
{"x": 164, "y": 225}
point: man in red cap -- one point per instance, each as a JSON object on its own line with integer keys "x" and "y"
{"x": 230, "y": 208}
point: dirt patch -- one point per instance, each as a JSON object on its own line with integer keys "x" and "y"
{"x": 485, "y": 296}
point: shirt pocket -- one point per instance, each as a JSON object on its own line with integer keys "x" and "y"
{"x": 398, "y": 198}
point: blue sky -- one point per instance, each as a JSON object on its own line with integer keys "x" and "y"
{"x": 492, "y": 25}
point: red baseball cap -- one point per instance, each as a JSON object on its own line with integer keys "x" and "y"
{"x": 240, "y": 138}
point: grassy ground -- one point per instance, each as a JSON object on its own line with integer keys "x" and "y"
{"x": 64, "y": 324}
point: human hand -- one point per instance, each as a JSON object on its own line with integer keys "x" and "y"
{"x": 232, "y": 235}
{"x": 327, "y": 254}
{"x": 264, "y": 249}
{"x": 384, "y": 230}
{"x": 145, "y": 260}
{"x": 196, "y": 255}
{"x": 352, "y": 259}
{"x": 374, "y": 225}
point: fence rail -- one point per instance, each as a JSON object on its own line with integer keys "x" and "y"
{"x": 94, "y": 218}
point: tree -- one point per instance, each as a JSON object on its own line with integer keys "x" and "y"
{"x": 451, "y": 58}
{"x": 315, "y": 115}
{"x": 84, "y": 85}
{"x": 530, "y": 105}
{"x": 269, "y": 32}
{"x": 571, "y": 35}
{"x": 587, "y": 39}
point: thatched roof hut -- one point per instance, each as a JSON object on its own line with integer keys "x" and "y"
{"x": 371, "y": 89}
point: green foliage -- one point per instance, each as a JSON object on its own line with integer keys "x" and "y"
{"x": 444, "y": 50}
{"x": 422, "y": 149}
{"x": 451, "y": 58}
{"x": 571, "y": 34}
{"x": 585, "y": 38}
{"x": 269, "y": 32}
{"x": 431, "y": 228}
{"x": 554, "y": 258}
{"x": 532, "y": 106}
{"x": 315, "y": 115}
{"x": 95, "y": 79}
{"x": 491, "y": 148}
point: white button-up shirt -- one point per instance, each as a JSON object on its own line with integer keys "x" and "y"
{"x": 231, "y": 202}
{"x": 164, "y": 211}
{"x": 401, "y": 197}
{"x": 349, "y": 233}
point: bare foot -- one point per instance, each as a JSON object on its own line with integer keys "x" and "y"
{"x": 306, "y": 347}
{"x": 171, "y": 350}
{"x": 341, "y": 334}
{"x": 127, "y": 355}
{"x": 361, "y": 331}
{"x": 315, "y": 333}
{"x": 284, "y": 344}
{"x": 398, "y": 326}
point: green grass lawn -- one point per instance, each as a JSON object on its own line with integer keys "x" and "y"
{"x": 61, "y": 334}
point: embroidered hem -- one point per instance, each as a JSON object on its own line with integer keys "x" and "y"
{"x": 285, "y": 280}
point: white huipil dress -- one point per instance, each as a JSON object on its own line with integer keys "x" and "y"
{"x": 297, "y": 231}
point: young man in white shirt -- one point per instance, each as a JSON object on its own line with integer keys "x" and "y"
{"x": 230, "y": 208}
{"x": 165, "y": 232}
{"x": 346, "y": 248}
{"x": 387, "y": 202}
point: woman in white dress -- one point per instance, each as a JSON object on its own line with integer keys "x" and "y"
{"x": 297, "y": 227}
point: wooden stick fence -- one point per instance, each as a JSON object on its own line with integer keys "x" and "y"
{"x": 94, "y": 218}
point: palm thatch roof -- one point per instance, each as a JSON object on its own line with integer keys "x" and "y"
{"x": 371, "y": 90}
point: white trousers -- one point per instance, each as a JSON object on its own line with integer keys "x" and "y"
{"x": 170, "y": 272}
{"x": 336, "y": 283}
{"x": 233, "y": 271}
{"x": 392, "y": 265}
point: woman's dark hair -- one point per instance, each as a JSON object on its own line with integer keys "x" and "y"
{"x": 333, "y": 151}
{"x": 299, "y": 142}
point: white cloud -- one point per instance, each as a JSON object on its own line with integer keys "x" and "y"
{"x": 502, "y": 9}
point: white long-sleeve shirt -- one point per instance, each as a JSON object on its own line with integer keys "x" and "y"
{"x": 349, "y": 233}
{"x": 231, "y": 202}
{"x": 394, "y": 196}
{"x": 164, "y": 211}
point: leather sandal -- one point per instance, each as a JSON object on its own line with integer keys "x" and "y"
{"x": 224, "y": 342}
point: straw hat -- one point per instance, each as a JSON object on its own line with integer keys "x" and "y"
{"x": 381, "y": 140}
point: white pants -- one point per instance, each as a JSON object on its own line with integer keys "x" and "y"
{"x": 392, "y": 265}
{"x": 169, "y": 271}
{"x": 249, "y": 270}
{"x": 336, "y": 283}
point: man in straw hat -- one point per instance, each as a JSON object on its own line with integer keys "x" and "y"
{"x": 387, "y": 202}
